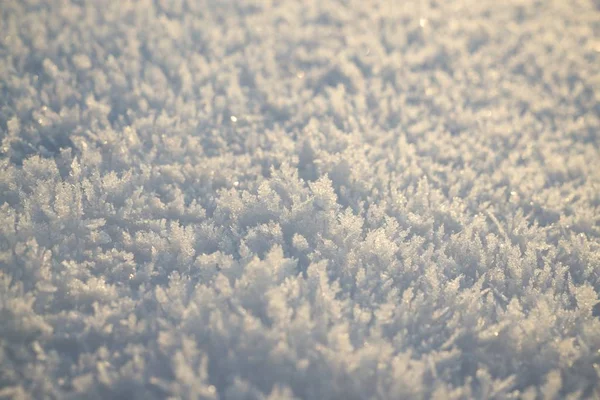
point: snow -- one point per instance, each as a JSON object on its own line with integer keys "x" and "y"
{"x": 322, "y": 199}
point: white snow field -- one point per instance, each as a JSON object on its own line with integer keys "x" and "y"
{"x": 316, "y": 199}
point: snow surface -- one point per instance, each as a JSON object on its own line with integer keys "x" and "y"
{"x": 319, "y": 199}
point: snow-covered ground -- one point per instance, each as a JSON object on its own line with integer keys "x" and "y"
{"x": 319, "y": 199}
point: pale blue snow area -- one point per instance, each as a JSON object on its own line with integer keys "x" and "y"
{"x": 316, "y": 199}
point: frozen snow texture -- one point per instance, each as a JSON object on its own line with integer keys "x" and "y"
{"x": 310, "y": 199}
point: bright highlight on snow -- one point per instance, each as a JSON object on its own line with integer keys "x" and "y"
{"x": 314, "y": 199}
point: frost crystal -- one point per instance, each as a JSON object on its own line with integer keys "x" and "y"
{"x": 313, "y": 199}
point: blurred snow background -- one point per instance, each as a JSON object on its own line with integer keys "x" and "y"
{"x": 319, "y": 199}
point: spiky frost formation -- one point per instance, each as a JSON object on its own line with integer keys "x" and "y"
{"x": 314, "y": 199}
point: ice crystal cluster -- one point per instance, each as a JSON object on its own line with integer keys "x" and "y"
{"x": 317, "y": 199}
